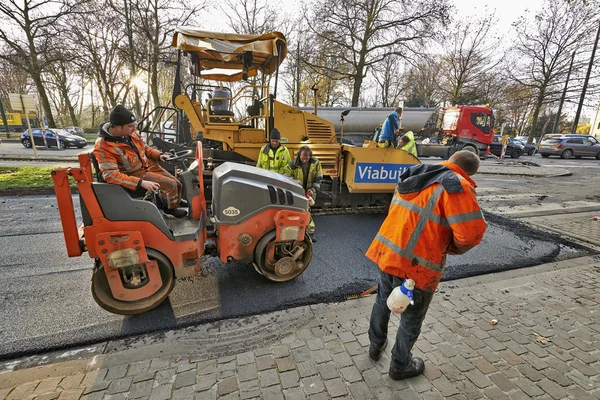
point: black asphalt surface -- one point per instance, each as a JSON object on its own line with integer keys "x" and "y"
{"x": 46, "y": 302}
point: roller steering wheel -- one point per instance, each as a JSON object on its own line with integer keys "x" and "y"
{"x": 178, "y": 155}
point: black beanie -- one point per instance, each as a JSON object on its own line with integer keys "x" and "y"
{"x": 121, "y": 116}
{"x": 275, "y": 134}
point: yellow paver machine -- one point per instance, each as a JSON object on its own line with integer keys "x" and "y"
{"x": 222, "y": 96}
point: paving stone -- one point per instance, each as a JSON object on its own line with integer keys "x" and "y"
{"x": 161, "y": 392}
{"x": 320, "y": 356}
{"x": 184, "y": 379}
{"x": 45, "y": 396}
{"x": 527, "y": 386}
{"x": 451, "y": 372}
{"x": 444, "y": 386}
{"x": 319, "y": 396}
{"x": 351, "y": 374}
{"x": 47, "y": 385}
{"x": 141, "y": 389}
{"x": 227, "y": 386}
{"x": 363, "y": 362}
{"x": 159, "y": 364}
{"x": 419, "y": 383}
{"x": 285, "y": 364}
{"x": 467, "y": 388}
{"x": 93, "y": 377}
{"x": 205, "y": 382}
{"x": 336, "y": 387}
{"x": 557, "y": 377}
{"x": 249, "y": 389}
{"x": 334, "y": 347}
{"x": 346, "y": 337}
{"x": 342, "y": 359}
{"x": 373, "y": 378}
{"x": 313, "y": 385}
{"x": 289, "y": 379}
{"x": 461, "y": 363}
{"x": 307, "y": 368}
{"x": 294, "y": 394}
{"x": 479, "y": 379}
{"x": 501, "y": 381}
{"x": 353, "y": 348}
{"x": 268, "y": 378}
{"x": 245, "y": 358}
{"x": 120, "y": 385}
{"x": 282, "y": 350}
{"x": 184, "y": 393}
{"x": 552, "y": 388}
{"x": 328, "y": 370}
{"x": 98, "y": 387}
{"x": 71, "y": 394}
{"x": 165, "y": 376}
{"x": 495, "y": 394}
{"x": 301, "y": 354}
{"x": 272, "y": 393}
{"x": 586, "y": 357}
{"x": 360, "y": 391}
{"x": 207, "y": 367}
{"x": 265, "y": 362}
{"x": 139, "y": 367}
{"x": 408, "y": 394}
{"x": 247, "y": 372}
{"x": 510, "y": 357}
{"x": 432, "y": 372}
{"x": 117, "y": 372}
{"x": 145, "y": 376}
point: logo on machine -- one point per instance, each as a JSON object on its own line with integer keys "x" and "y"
{"x": 231, "y": 212}
{"x": 379, "y": 172}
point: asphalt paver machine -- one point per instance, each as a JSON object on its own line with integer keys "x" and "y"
{"x": 256, "y": 217}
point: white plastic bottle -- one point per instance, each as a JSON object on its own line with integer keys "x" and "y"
{"x": 401, "y": 297}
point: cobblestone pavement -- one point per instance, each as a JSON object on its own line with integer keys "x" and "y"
{"x": 545, "y": 345}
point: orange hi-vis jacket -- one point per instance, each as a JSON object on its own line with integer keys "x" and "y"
{"x": 434, "y": 212}
{"x": 118, "y": 157}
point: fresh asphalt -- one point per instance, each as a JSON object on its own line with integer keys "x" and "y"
{"x": 46, "y": 301}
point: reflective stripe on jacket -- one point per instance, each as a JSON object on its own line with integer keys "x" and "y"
{"x": 315, "y": 173}
{"x": 273, "y": 162}
{"x": 425, "y": 225}
{"x": 118, "y": 159}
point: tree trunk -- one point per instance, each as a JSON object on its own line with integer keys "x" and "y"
{"x": 43, "y": 98}
{"x": 358, "y": 79}
{"x": 536, "y": 111}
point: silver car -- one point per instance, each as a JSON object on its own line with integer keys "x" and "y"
{"x": 568, "y": 146}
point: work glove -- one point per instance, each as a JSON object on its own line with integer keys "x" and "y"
{"x": 311, "y": 200}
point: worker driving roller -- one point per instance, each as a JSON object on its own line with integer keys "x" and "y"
{"x": 124, "y": 159}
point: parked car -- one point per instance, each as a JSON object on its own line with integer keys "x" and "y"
{"x": 568, "y": 146}
{"x": 65, "y": 138}
{"x": 524, "y": 139}
{"x": 514, "y": 149}
{"x": 75, "y": 130}
{"x": 528, "y": 149}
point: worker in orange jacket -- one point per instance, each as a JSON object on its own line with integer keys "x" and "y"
{"x": 125, "y": 159}
{"x": 434, "y": 212}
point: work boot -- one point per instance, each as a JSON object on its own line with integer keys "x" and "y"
{"x": 176, "y": 212}
{"x": 183, "y": 203}
{"x": 416, "y": 367}
{"x": 375, "y": 351}
{"x": 312, "y": 237}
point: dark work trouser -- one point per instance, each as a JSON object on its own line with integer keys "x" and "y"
{"x": 410, "y": 320}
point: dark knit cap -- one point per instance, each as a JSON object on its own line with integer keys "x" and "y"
{"x": 121, "y": 116}
{"x": 275, "y": 134}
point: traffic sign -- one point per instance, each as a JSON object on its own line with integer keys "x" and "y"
{"x": 20, "y": 101}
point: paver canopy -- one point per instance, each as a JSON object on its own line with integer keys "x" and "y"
{"x": 228, "y": 56}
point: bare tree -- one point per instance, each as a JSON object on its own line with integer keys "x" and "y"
{"x": 390, "y": 85}
{"x": 422, "y": 83}
{"x": 30, "y": 34}
{"x": 251, "y": 17}
{"x": 470, "y": 57}
{"x": 12, "y": 80}
{"x": 543, "y": 50}
{"x": 154, "y": 22}
{"x": 361, "y": 33}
